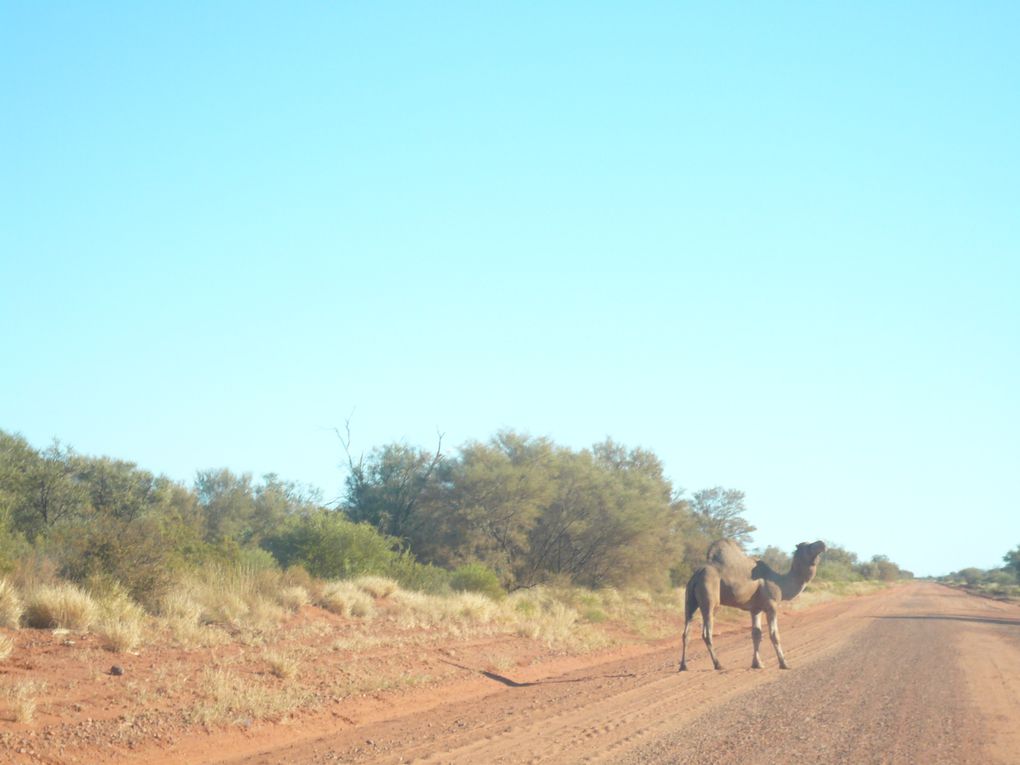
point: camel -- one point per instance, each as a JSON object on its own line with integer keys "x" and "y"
{"x": 731, "y": 578}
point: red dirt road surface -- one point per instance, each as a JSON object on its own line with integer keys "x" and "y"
{"x": 918, "y": 673}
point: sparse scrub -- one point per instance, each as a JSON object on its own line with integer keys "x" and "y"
{"x": 230, "y": 698}
{"x": 11, "y": 607}
{"x": 60, "y": 606}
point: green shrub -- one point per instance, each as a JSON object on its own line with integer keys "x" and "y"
{"x": 420, "y": 577}
{"x": 330, "y": 546}
{"x": 134, "y": 553}
{"x": 477, "y": 577}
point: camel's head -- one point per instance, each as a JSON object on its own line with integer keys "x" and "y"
{"x": 806, "y": 556}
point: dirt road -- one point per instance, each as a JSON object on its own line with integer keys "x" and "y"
{"x": 916, "y": 673}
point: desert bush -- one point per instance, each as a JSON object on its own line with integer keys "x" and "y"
{"x": 11, "y": 606}
{"x": 61, "y": 605}
{"x": 137, "y": 553}
{"x": 13, "y": 546}
{"x": 477, "y": 577}
{"x": 330, "y": 546}
{"x": 420, "y": 577}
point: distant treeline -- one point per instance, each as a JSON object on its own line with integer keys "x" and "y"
{"x": 1004, "y": 581}
{"x": 521, "y": 510}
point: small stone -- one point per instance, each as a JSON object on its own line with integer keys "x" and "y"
{"x": 117, "y": 670}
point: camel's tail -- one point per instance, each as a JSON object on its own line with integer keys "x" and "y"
{"x": 690, "y": 601}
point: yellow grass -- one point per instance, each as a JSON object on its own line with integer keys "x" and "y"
{"x": 60, "y": 606}
{"x": 6, "y": 646}
{"x": 11, "y": 606}
{"x": 281, "y": 665}
{"x": 121, "y": 623}
{"x": 293, "y": 597}
{"x": 346, "y": 599}
{"x": 377, "y": 586}
{"x": 230, "y": 698}
{"x": 21, "y": 700}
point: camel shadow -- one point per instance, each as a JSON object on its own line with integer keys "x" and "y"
{"x": 950, "y": 618}
{"x": 511, "y": 683}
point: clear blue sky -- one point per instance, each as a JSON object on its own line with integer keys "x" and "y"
{"x": 778, "y": 246}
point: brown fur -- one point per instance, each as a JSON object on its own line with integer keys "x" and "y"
{"x": 731, "y": 578}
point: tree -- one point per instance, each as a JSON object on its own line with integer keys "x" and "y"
{"x": 774, "y": 558}
{"x": 488, "y": 501}
{"x": 1012, "y": 561}
{"x": 608, "y": 522}
{"x": 838, "y": 564}
{"x": 879, "y": 567}
{"x": 115, "y": 487}
{"x": 718, "y": 513}
{"x": 38, "y": 490}
{"x": 228, "y": 502}
{"x": 385, "y": 491}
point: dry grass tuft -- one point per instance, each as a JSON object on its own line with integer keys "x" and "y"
{"x": 346, "y": 599}
{"x": 281, "y": 665}
{"x": 180, "y": 613}
{"x": 460, "y": 614}
{"x": 121, "y": 623}
{"x": 21, "y": 700}
{"x": 61, "y": 606}
{"x": 231, "y": 698}
{"x": 293, "y": 597}
{"x": 237, "y": 599}
{"x": 11, "y": 607}
{"x": 6, "y": 647}
{"x": 377, "y": 586}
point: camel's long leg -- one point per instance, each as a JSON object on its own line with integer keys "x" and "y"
{"x": 683, "y": 652}
{"x": 708, "y": 619}
{"x": 774, "y": 634}
{"x": 756, "y": 638}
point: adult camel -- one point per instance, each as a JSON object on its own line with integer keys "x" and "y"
{"x": 731, "y": 578}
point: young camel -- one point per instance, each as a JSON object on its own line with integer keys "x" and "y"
{"x": 731, "y": 578}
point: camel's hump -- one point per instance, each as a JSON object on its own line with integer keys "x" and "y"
{"x": 727, "y": 554}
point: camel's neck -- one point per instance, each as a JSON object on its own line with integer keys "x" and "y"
{"x": 793, "y": 582}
